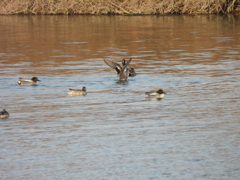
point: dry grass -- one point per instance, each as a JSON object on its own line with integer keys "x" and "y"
{"x": 118, "y": 6}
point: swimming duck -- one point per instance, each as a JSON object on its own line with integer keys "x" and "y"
{"x": 4, "y": 114}
{"x": 159, "y": 93}
{"x": 122, "y": 71}
{"x": 74, "y": 92}
{"x": 32, "y": 82}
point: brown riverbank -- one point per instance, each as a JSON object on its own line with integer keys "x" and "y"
{"x": 119, "y": 6}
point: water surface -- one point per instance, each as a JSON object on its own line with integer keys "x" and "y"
{"x": 115, "y": 132}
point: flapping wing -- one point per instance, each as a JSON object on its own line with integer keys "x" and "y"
{"x": 128, "y": 62}
{"x": 113, "y": 65}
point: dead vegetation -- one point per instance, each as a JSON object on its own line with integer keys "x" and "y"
{"x": 118, "y": 6}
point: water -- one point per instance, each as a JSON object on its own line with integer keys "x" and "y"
{"x": 115, "y": 132}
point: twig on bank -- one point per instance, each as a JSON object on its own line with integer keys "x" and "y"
{"x": 231, "y": 6}
{"x": 118, "y": 7}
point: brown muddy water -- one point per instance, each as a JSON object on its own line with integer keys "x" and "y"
{"x": 115, "y": 132}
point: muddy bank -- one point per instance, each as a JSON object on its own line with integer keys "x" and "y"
{"x": 119, "y": 7}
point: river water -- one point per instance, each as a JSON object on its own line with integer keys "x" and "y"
{"x": 115, "y": 132}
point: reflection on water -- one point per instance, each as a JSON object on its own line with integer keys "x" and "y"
{"x": 115, "y": 132}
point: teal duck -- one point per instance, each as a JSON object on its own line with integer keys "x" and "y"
{"x": 32, "y": 82}
{"x": 4, "y": 114}
{"x": 75, "y": 92}
{"x": 159, "y": 93}
{"x": 122, "y": 71}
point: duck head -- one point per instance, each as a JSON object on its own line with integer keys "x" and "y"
{"x": 160, "y": 91}
{"x": 84, "y": 88}
{"x": 132, "y": 72}
{"x": 35, "y": 79}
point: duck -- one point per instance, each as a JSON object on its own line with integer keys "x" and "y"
{"x": 4, "y": 114}
{"x": 74, "y": 92}
{"x": 159, "y": 93}
{"x": 122, "y": 71}
{"x": 32, "y": 82}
